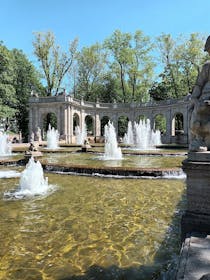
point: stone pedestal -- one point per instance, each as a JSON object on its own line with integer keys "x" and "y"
{"x": 197, "y": 215}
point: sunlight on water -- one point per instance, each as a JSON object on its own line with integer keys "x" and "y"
{"x": 91, "y": 228}
{"x": 94, "y": 160}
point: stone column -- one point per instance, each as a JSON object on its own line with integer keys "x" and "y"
{"x": 36, "y": 117}
{"x": 71, "y": 124}
{"x": 65, "y": 124}
{"x": 97, "y": 127}
{"x": 60, "y": 113}
{"x": 197, "y": 215}
{"x": 82, "y": 119}
{"x": 30, "y": 124}
{"x": 68, "y": 124}
{"x": 168, "y": 126}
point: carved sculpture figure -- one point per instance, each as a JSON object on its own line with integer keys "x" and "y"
{"x": 200, "y": 109}
{"x": 38, "y": 136}
{"x": 32, "y": 137}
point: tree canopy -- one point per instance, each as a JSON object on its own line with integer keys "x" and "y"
{"x": 18, "y": 77}
{"x": 55, "y": 63}
{"x": 126, "y": 67}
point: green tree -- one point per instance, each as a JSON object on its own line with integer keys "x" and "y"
{"x": 159, "y": 91}
{"x": 26, "y": 78}
{"x": 7, "y": 90}
{"x": 167, "y": 45}
{"x": 132, "y": 64}
{"x": 120, "y": 47}
{"x": 191, "y": 56}
{"x": 55, "y": 63}
{"x": 110, "y": 89}
{"x": 91, "y": 70}
{"x": 181, "y": 59}
{"x": 141, "y": 67}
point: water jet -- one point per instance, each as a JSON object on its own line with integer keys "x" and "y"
{"x": 52, "y": 138}
{"x": 111, "y": 149}
{"x": 5, "y": 145}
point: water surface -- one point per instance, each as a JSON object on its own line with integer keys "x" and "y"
{"x": 91, "y": 228}
{"x": 97, "y": 160}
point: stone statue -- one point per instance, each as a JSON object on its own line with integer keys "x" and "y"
{"x": 38, "y": 136}
{"x": 200, "y": 109}
{"x": 32, "y": 137}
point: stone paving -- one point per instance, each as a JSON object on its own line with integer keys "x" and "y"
{"x": 195, "y": 258}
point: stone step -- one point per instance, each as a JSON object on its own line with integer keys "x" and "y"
{"x": 195, "y": 258}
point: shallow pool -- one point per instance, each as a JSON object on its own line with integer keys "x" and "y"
{"x": 97, "y": 160}
{"x": 91, "y": 228}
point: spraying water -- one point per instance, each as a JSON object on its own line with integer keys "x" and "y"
{"x": 32, "y": 181}
{"x": 9, "y": 174}
{"x": 52, "y": 138}
{"x": 129, "y": 137}
{"x": 5, "y": 145}
{"x": 81, "y": 134}
{"x": 142, "y": 136}
{"x": 111, "y": 149}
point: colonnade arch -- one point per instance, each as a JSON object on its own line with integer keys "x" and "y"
{"x": 49, "y": 119}
{"x": 160, "y": 123}
{"x": 76, "y": 122}
{"x": 71, "y": 112}
{"x": 177, "y": 124}
{"x": 122, "y": 125}
{"x": 141, "y": 117}
{"x": 89, "y": 121}
{"x": 104, "y": 121}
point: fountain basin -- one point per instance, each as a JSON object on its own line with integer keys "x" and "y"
{"x": 112, "y": 171}
{"x": 157, "y": 163}
{"x": 125, "y": 228}
{"x": 34, "y": 154}
{"x": 94, "y": 163}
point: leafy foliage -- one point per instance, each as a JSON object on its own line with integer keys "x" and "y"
{"x": 181, "y": 60}
{"x": 55, "y": 63}
{"x": 91, "y": 64}
{"x": 7, "y": 89}
{"x": 26, "y": 79}
{"x": 121, "y": 69}
{"x": 17, "y": 77}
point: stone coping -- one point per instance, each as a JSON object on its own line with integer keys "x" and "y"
{"x": 194, "y": 257}
{"x": 111, "y": 171}
{"x": 199, "y": 156}
{"x": 106, "y": 171}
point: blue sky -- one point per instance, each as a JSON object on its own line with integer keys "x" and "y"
{"x": 94, "y": 20}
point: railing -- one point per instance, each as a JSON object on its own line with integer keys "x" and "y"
{"x": 47, "y": 99}
{"x": 74, "y": 101}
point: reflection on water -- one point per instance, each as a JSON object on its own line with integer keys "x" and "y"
{"x": 94, "y": 160}
{"x": 112, "y": 228}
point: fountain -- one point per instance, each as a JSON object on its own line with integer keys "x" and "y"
{"x": 32, "y": 181}
{"x": 129, "y": 137}
{"x": 111, "y": 149}
{"x": 104, "y": 226}
{"x": 9, "y": 174}
{"x": 5, "y": 145}
{"x": 52, "y": 138}
{"x": 142, "y": 136}
{"x": 81, "y": 135}
{"x": 131, "y": 213}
